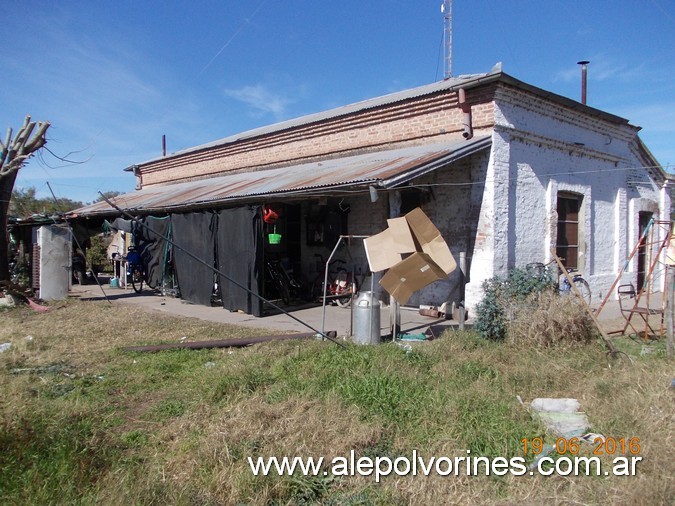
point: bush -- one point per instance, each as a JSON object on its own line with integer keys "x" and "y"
{"x": 490, "y": 319}
{"x": 502, "y": 296}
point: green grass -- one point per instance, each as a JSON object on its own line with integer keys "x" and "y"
{"x": 83, "y": 422}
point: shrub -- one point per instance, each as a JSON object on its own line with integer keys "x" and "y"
{"x": 502, "y": 296}
{"x": 490, "y": 319}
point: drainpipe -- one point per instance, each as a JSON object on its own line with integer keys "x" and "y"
{"x": 467, "y": 125}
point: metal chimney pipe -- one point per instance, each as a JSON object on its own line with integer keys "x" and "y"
{"x": 584, "y": 71}
{"x": 163, "y": 145}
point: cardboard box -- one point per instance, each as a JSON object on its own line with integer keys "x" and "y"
{"x": 386, "y": 249}
{"x": 431, "y": 259}
{"x": 430, "y": 240}
{"x": 410, "y": 275}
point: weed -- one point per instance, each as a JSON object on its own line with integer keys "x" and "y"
{"x": 168, "y": 408}
{"x": 548, "y": 319}
{"x": 135, "y": 439}
{"x": 46, "y": 457}
{"x": 308, "y": 489}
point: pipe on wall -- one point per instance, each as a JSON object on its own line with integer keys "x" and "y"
{"x": 467, "y": 124}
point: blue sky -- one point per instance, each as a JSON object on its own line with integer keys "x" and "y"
{"x": 113, "y": 77}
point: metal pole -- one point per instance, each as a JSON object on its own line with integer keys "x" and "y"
{"x": 584, "y": 72}
{"x": 446, "y": 8}
{"x": 372, "y": 306}
{"x": 462, "y": 283}
{"x": 395, "y": 202}
{"x": 626, "y": 264}
{"x": 670, "y": 310}
{"x": 325, "y": 284}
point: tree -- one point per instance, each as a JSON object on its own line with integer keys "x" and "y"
{"x": 110, "y": 195}
{"x": 25, "y": 203}
{"x": 14, "y": 153}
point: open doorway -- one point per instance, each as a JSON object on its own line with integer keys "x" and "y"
{"x": 644, "y": 220}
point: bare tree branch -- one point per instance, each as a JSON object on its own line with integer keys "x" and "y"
{"x": 15, "y": 152}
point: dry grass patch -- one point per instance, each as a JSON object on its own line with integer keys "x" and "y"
{"x": 548, "y": 319}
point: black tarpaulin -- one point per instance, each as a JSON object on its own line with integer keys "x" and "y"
{"x": 194, "y": 232}
{"x": 121, "y": 224}
{"x": 149, "y": 240}
{"x": 239, "y": 251}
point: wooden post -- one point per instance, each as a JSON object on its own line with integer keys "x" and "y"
{"x": 670, "y": 309}
{"x": 462, "y": 286}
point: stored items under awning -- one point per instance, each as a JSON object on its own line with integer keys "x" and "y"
{"x": 385, "y": 169}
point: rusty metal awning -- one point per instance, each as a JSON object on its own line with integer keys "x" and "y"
{"x": 383, "y": 169}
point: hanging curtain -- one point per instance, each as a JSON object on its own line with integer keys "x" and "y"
{"x": 153, "y": 247}
{"x": 239, "y": 253}
{"x": 194, "y": 232}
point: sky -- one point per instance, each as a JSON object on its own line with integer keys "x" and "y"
{"x": 113, "y": 77}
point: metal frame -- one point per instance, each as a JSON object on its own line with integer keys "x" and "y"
{"x": 325, "y": 276}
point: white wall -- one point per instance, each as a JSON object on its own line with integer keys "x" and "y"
{"x": 552, "y": 150}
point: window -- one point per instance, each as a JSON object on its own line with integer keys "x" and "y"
{"x": 567, "y": 243}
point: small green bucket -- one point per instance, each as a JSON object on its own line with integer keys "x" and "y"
{"x": 274, "y": 238}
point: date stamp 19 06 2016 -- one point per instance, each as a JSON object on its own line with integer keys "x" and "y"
{"x": 601, "y": 445}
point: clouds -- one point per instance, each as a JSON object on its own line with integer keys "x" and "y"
{"x": 108, "y": 101}
{"x": 261, "y": 99}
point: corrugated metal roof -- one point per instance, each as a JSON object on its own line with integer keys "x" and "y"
{"x": 386, "y": 169}
{"x": 427, "y": 89}
{"x": 453, "y": 83}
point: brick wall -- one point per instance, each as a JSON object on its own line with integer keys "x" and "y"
{"x": 419, "y": 120}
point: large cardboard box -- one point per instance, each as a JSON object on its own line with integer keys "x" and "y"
{"x": 431, "y": 259}
{"x": 430, "y": 240}
{"x": 386, "y": 249}
{"x": 410, "y": 275}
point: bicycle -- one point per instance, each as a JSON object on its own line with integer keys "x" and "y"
{"x": 135, "y": 269}
{"x": 342, "y": 285}
{"x": 282, "y": 280}
{"x": 546, "y": 272}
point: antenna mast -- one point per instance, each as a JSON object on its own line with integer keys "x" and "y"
{"x": 446, "y": 9}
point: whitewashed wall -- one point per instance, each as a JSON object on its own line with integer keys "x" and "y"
{"x": 552, "y": 149}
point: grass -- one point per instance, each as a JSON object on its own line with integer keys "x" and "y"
{"x": 83, "y": 422}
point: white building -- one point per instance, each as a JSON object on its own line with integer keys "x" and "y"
{"x": 505, "y": 170}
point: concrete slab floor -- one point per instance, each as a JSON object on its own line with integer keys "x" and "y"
{"x": 311, "y": 318}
